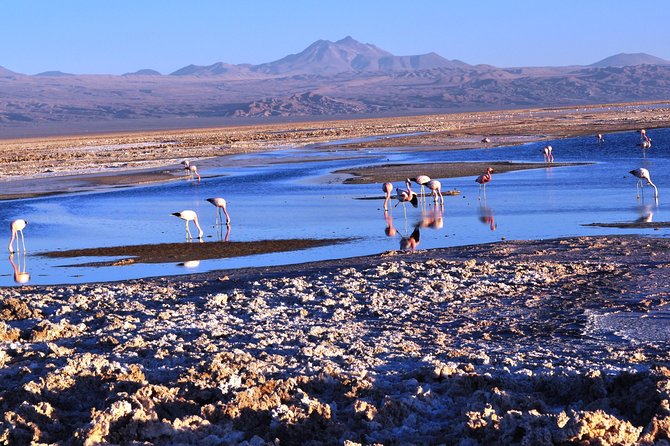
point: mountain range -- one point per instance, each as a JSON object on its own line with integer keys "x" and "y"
{"x": 326, "y": 79}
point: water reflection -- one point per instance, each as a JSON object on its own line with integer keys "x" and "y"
{"x": 219, "y": 232}
{"x": 433, "y": 219}
{"x": 486, "y": 216}
{"x": 390, "y": 230}
{"x": 646, "y": 214}
{"x": 409, "y": 243}
{"x": 21, "y": 275}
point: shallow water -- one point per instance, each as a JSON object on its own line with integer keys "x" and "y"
{"x": 275, "y": 198}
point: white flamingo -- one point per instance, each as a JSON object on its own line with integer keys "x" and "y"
{"x": 643, "y": 174}
{"x": 220, "y": 204}
{"x": 422, "y": 180}
{"x": 436, "y": 187}
{"x": 189, "y": 215}
{"x": 17, "y": 226}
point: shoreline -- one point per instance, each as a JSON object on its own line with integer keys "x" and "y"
{"x": 49, "y": 159}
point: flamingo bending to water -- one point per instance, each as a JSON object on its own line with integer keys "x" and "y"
{"x": 189, "y": 215}
{"x": 436, "y": 188}
{"x": 387, "y": 188}
{"x": 407, "y": 195}
{"x": 548, "y": 155}
{"x": 17, "y": 226}
{"x": 643, "y": 174}
{"x": 220, "y": 204}
{"x": 422, "y": 180}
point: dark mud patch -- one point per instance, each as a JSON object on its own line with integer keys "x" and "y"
{"x": 398, "y": 172}
{"x": 186, "y": 252}
{"x": 633, "y": 225}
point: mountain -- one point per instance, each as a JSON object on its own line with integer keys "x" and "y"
{"x": 629, "y": 60}
{"x": 54, "y": 74}
{"x": 144, "y": 72}
{"x": 341, "y": 78}
{"x": 326, "y": 58}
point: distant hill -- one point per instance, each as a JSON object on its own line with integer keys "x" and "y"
{"x": 144, "y": 72}
{"x": 54, "y": 74}
{"x": 629, "y": 60}
{"x": 4, "y": 72}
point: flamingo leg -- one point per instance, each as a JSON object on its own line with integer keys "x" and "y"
{"x": 23, "y": 241}
{"x": 188, "y": 231}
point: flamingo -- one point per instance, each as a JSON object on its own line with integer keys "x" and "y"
{"x": 643, "y": 174}
{"x": 422, "y": 180}
{"x": 407, "y": 196}
{"x": 483, "y": 179}
{"x": 387, "y": 188}
{"x": 189, "y": 215}
{"x": 548, "y": 155}
{"x": 486, "y": 140}
{"x": 599, "y": 138}
{"x": 220, "y": 204}
{"x": 17, "y": 226}
{"x": 193, "y": 171}
{"x": 436, "y": 187}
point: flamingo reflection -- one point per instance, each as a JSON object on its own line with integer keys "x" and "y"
{"x": 410, "y": 243}
{"x": 219, "y": 232}
{"x": 434, "y": 219}
{"x": 20, "y": 274}
{"x": 390, "y": 229}
{"x": 646, "y": 214}
{"x": 486, "y": 216}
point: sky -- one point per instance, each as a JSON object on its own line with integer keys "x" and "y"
{"x": 122, "y": 36}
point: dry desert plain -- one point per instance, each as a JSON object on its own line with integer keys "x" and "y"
{"x": 493, "y": 344}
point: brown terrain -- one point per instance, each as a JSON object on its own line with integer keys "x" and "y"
{"x": 520, "y": 342}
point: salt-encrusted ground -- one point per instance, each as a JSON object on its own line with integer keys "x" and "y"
{"x": 493, "y": 344}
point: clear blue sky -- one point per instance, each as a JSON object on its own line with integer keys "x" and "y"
{"x": 119, "y": 36}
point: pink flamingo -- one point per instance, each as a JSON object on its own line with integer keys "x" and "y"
{"x": 436, "y": 188}
{"x": 387, "y": 188}
{"x": 189, "y": 215}
{"x": 483, "y": 179}
{"x": 407, "y": 195}
{"x": 220, "y": 204}
{"x": 17, "y": 226}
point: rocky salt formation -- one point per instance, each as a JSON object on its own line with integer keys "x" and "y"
{"x": 481, "y": 345}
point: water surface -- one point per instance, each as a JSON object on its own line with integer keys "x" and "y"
{"x": 273, "y": 197}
